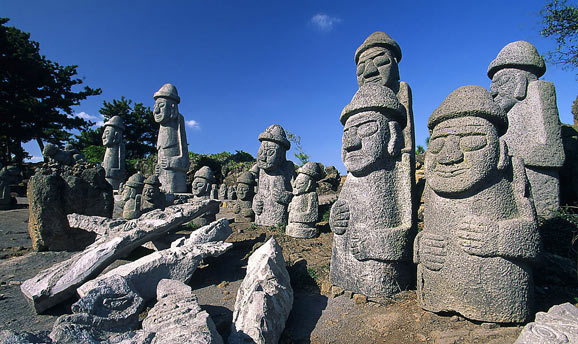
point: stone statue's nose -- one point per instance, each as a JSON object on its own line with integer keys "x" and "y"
{"x": 351, "y": 140}
{"x": 370, "y": 69}
{"x": 451, "y": 153}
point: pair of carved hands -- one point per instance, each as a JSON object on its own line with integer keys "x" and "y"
{"x": 475, "y": 236}
{"x": 339, "y": 222}
{"x": 277, "y": 195}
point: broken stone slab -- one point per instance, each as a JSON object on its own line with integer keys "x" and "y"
{"x": 264, "y": 298}
{"x": 96, "y": 224}
{"x": 178, "y": 262}
{"x": 559, "y": 325}
{"x": 178, "y": 318}
{"x": 111, "y": 308}
{"x": 12, "y": 337}
{"x": 59, "y": 282}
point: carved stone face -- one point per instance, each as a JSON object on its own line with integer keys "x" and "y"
{"x": 110, "y": 136}
{"x": 302, "y": 184}
{"x": 377, "y": 64}
{"x": 244, "y": 192}
{"x": 462, "y": 153}
{"x": 150, "y": 192}
{"x": 163, "y": 110}
{"x": 270, "y": 155}
{"x": 505, "y": 84}
{"x": 365, "y": 136}
{"x": 201, "y": 187}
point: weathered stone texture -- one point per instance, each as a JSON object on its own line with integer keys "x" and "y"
{"x": 559, "y": 325}
{"x": 304, "y": 207}
{"x": 245, "y": 191}
{"x": 480, "y": 232}
{"x": 264, "y": 299}
{"x": 114, "y": 162}
{"x": 202, "y": 189}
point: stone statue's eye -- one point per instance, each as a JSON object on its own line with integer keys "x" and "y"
{"x": 367, "y": 129}
{"x": 436, "y": 145}
{"x": 381, "y": 60}
{"x": 360, "y": 68}
{"x": 472, "y": 143}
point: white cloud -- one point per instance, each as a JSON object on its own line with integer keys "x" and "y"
{"x": 192, "y": 124}
{"x": 99, "y": 119}
{"x": 34, "y": 159}
{"x": 324, "y": 22}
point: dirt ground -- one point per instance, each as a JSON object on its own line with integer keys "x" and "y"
{"x": 318, "y": 316}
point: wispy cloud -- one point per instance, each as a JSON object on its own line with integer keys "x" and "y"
{"x": 99, "y": 119}
{"x": 192, "y": 124}
{"x": 35, "y": 159}
{"x": 324, "y": 22}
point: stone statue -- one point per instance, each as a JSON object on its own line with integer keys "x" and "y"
{"x": 132, "y": 197}
{"x": 275, "y": 175}
{"x": 202, "y": 186}
{"x": 245, "y": 193}
{"x": 67, "y": 156}
{"x": 534, "y": 126}
{"x": 214, "y": 191}
{"x": 232, "y": 193}
{"x": 9, "y": 175}
{"x": 304, "y": 207}
{"x": 223, "y": 192}
{"x": 114, "y": 157}
{"x": 173, "y": 155}
{"x": 480, "y": 231}
{"x": 153, "y": 197}
{"x": 372, "y": 220}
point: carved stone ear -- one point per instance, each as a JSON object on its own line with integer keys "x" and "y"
{"x": 395, "y": 139}
{"x": 522, "y": 86}
{"x": 504, "y": 159}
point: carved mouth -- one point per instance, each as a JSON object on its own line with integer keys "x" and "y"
{"x": 451, "y": 173}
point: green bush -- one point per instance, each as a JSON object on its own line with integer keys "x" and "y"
{"x": 94, "y": 154}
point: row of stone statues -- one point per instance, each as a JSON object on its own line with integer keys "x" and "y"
{"x": 491, "y": 164}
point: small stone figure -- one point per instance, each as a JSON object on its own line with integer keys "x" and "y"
{"x": 275, "y": 175}
{"x": 214, "y": 191}
{"x": 9, "y": 175}
{"x": 245, "y": 192}
{"x": 69, "y": 156}
{"x": 202, "y": 182}
{"x": 173, "y": 155}
{"x": 480, "y": 231}
{"x": 114, "y": 157}
{"x": 132, "y": 197}
{"x": 223, "y": 192}
{"x": 534, "y": 126}
{"x": 232, "y": 193}
{"x": 304, "y": 207}
{"x": 153, "y": 197}
{"x": 372, "y": 220}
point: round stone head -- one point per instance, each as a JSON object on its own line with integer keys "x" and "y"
{"x": 204, "y": 177}
{"x": 372, "y": 132}
{"x": 274, "y": 145}
{"x": 245, "y": 186}
{"x": 113, "y": 129}
{"x": 133, "y": 186}
{"x": 307, "y": 175}
{"x": 151, "y": 190}
{"x": 377, "y": 60}
{"x": 166, "y": 101}
{"x": 465, "y": 148}
{"x": 516, "y": 64}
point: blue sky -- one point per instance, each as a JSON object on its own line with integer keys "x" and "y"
{"x": 241, "y": 65}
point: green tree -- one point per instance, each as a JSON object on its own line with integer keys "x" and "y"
{"x": 560, "y": 21}
{"x": 299, "y": 153}
{"x": 36, "y": 96}
{"x": 140, "y": 133}
{"x": 575, "y": 110}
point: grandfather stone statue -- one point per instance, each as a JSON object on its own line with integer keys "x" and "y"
{"x": 214, "y": 191}
{"x": 152, "y": 196}
{"x": 373, "y": 219}
{"x": 202, "y": 185}
{"x": 480, "y": 231}
{"x": 223, "y": 192}
{"x": 275, "y": 175}
{"x": 304, "y": 207}
{"x": 132, "y": 197}
{"x": 232, "y": 193}
{"x": 245, "y": 192}
{"x": 9, "y": 175}
{"x": 173, "y": 154}
{"x": 377, "y": 61}
{"x": 534, "y": 126}
{"x": 114, "y": 157}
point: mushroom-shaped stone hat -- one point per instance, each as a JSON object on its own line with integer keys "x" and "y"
{"x": 275, "y": 133}
{"x": 246, "y": 178}
{"x": 311, "y": 169}
{"x": 168, "y": 91}
{"x": 375, "y": 97}
{"x": 115, "y": 121}
{"x": 153, "y": 180}
{"x": 470, "y": 101}
{"x": 379, "y": 39}
{"x": 519, "y": 54}
{"x": 205, "y": 172}
{"x": 136, "y": 180}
